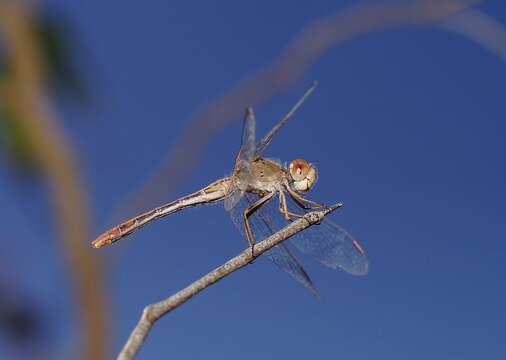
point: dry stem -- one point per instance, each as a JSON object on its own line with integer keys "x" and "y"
{"x": 154, "y": 312}
{"x": 26, "y": 92}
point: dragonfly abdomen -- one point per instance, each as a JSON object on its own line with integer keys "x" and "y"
{"x": 214, "y": 192}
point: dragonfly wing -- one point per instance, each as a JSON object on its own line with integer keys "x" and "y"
{"x": 281, "y": 254}
{"x": 262, "y": 227}
{"x": 286, "y": 261}
{"x": 332, "y": 246}
{"x": 266, "y": 140}
{"x": 232, "y": 199}
{"x": 248, "y": 146}
{"x": 244, "y": 158}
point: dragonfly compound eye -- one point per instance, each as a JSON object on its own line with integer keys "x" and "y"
{"x": 304, "y": 175}
{"x": 312, "y": 176}
{"x": 299, "y": 169}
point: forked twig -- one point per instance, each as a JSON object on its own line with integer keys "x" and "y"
{"x": 153, "y": 312}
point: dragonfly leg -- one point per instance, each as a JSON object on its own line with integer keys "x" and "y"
{"x": 283, "y": 208}
{"x": 300, "y": 200}
{"x": 247, "y": 213}
{"x": 297, "y": 201}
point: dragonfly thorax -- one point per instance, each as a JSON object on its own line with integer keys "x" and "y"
{"x": 263, "y": 175}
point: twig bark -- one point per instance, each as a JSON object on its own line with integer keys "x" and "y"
{"x": 154, "y": 312}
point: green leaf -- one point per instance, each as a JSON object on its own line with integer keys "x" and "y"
{"x": 57, "y": 41}
{"x": 15, "y": 143}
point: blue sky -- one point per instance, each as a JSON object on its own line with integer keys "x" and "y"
{"x": 407, "y": 127}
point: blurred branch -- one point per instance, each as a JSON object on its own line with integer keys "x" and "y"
{"x": 56, "y": 44}
{"x": 24, "y": 90}
{"x": 154, "y": 312}
{"x": 311, "y": 43}
{"x": 480, "y": 28}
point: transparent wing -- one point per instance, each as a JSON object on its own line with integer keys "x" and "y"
{"x": 232, "y": 199}
{"x": 262, "y": 227}
{"x": 327, "y": 242}
{"x": 283, "y": 258}
{"x": 248, "y": 146}
{"x": 266, "y": 140}
{"x": 244, "y": 158}
{"x": 330, "y": 245}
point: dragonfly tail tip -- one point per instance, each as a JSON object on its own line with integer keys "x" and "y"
{"x": 97, "y": 244}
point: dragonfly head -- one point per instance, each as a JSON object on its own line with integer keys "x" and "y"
{"x": 303, "y": 174}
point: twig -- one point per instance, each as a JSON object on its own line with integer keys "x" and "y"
{"x": 155, "y": 311}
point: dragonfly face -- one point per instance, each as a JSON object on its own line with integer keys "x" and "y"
{"x": 303, "y": 174}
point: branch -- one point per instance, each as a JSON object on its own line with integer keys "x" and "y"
{"x": 25, "y": 91}
{"x": 481, "y": 28}
{"x": 154, "y": 312}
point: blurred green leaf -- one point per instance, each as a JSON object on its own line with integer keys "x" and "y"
{"x": 57, "y": 42}
{"x": 15, "y": 143}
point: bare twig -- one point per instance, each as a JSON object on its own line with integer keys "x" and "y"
{"x": 154, "y": 312}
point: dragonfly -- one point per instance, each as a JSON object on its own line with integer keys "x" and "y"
{"x": 248, "y": 195}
